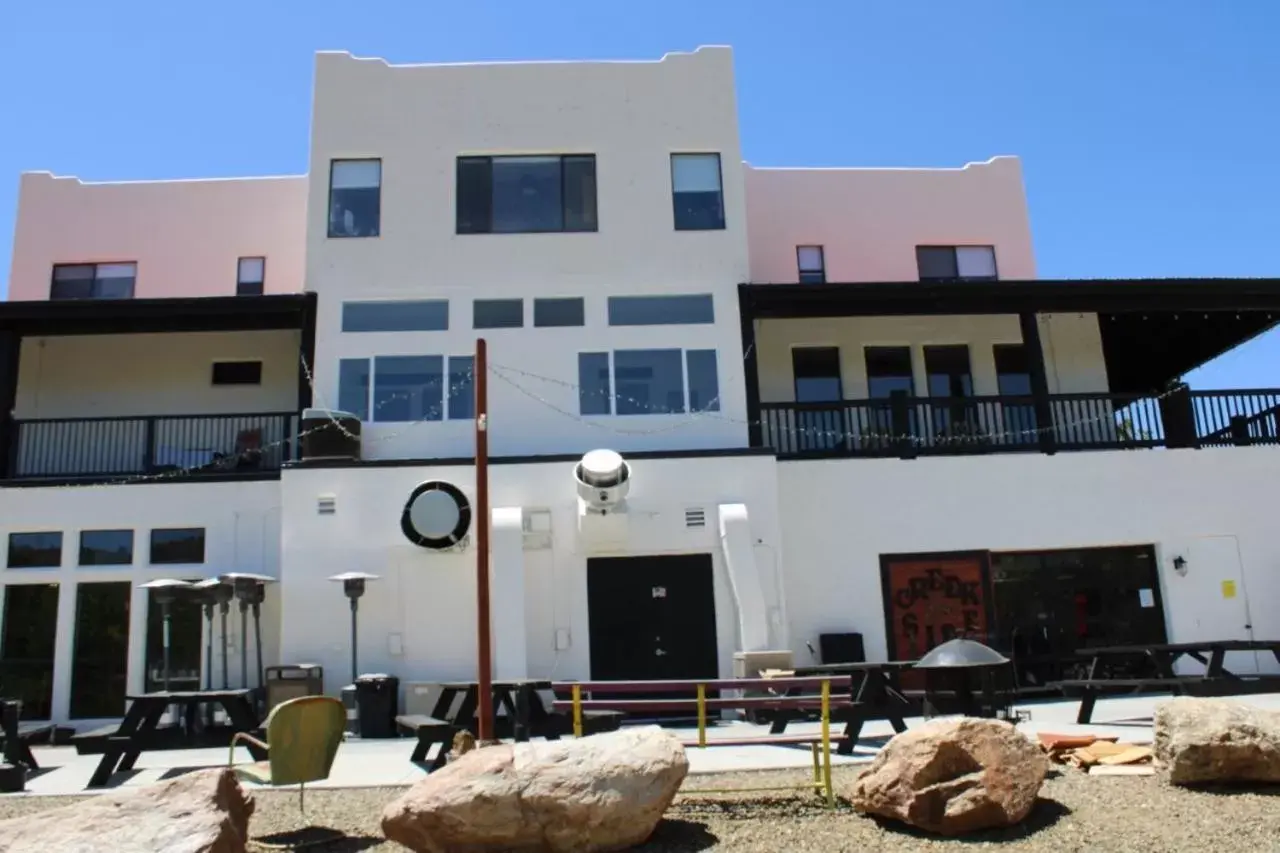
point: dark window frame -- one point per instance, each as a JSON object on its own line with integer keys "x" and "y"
{"x": 86, "y": 549}
{"x": 488, "y": 160}
{"x": 355, "y": 306}
{"x": 588, "y": 395}
{"x": 721, "y": 225}
{"x": 500, "y": 305}
{"x": 250, "y": 288}
{"x": 818, "y": 276}
{"x": 9, "y": 563}
{"x": 328, "y": 214}
{"x": 548, "y": 302}
{"x": 236, "y": 373}
{"x": 93, "y": 282}
{"x": 696, "y": 301}
{"x": 151, "y": 546}
{"x": 955, "y": 258}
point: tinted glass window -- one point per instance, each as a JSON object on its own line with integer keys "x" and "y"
{"x": 35, "y": 550}
{"x": 817, "y": 374}
{"x": 812, "y": 264}
{"x": 661, "y": 310}
{"x": 696, "y": 192}
{"x": 421, "y": 315}
{"x": 936, "y": 263}
{"x": 704, "y": 383}
{"x": 462, "y": 392}
{"x": 498, "y": 313}
{"x": 648, "y": 382}
{"x": 237, "y": 373}
{"x": 526, "y": 194}
{"x": 889, "y": 371}
{"x": 93, "y": 281}
{"x": 353, "y": 387}
{"x": 177, "y": 545}
{"x": 559, "y": 312}
{"x": 106, "y": 547}
{"x": 355, "y": 198}
{"x": 408, "y": 388}
{"x": 594, "y": 391}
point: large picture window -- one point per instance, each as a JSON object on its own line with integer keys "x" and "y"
{"x": 522, "y": 195}
{"x": 93, "y": 281}
{"x": 407, "y": 388}
{"x": 648, "y": 382}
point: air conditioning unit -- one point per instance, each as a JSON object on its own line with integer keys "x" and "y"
{"x": 603, "y": 480}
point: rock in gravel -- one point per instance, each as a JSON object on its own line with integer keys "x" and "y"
{"x": 954, "y": 776}
{"x": 1208, "y": 740}
{"x": 597, "y": 793}
{"x": 205, "y": 811}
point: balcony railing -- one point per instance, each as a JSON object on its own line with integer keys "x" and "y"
{"x": 910, "y": 426}
{"x": 130, "y": 446}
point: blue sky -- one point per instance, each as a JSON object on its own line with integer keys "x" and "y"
{"x": 1147, "y": 127}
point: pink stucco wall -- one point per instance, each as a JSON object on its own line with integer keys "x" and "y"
{"x": 869, "y": 221}
{"x": 186, "y": 236}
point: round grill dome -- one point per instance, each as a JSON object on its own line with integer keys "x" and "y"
{"x": 959, "y": 653}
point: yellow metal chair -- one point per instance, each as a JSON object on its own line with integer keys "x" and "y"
{"x": 303, "y": 735}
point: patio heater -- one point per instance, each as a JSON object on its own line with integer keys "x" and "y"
{"x": 208, "y": 591}
{"x": 250, "y": 590}
{"x": 166, "y": 592}
{"x": 353, "y": 585}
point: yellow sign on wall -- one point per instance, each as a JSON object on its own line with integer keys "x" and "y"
{"x": 1228, "y": 589}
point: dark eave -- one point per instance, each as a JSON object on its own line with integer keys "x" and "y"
{"x": 1154, "y": 330}
{"x": 136, "y": 316}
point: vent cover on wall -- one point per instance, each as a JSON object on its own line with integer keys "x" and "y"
{"x": 327, "y": 504}
{"x": 436, "y": 516}
{"x": 695, "y": 517}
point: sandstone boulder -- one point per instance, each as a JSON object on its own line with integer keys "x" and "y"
{"x": 597, "y": 793}
{"x": 201, "y": 812}
{"x": 1208, "y": 740}
{"x": 954, "y": 776}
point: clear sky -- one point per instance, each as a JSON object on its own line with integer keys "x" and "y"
{"x": 1148, "y": 128}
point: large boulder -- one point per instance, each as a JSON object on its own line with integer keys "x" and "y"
{"x": 205, "y": 811}
{"x": 603, "y": 792}
{"x": 1208, "y": 740}
{"x": 954, "y": 776}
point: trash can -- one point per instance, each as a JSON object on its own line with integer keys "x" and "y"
{"x": 377, "y": 698}
{"x": 289, "y": 682}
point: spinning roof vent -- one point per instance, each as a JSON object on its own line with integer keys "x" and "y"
{"x": 437, "y": 516}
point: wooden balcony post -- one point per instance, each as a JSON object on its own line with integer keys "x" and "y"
{"x": 10, "y": 353}
{"x": 1046, "y": 436}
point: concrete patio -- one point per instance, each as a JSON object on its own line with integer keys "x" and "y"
{"x": 383, "y": 763}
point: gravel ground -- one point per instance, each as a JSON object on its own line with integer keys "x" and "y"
{"x": 1076, "y": 813}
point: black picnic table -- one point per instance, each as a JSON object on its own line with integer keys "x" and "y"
{"x": 1161, "y": 660}
{"x": 138, "y": 731}
{"x": 873, "y": 689}
{"x": 526, "y": 714}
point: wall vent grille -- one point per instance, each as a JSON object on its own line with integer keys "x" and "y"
{"x": 695, "y": 517}
{"x": 326, "y": 505}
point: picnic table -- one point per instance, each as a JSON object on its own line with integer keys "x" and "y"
{"x": 139, "y": 730}
{"x": 19, "y": 735}
{"x": 874, "y": 694}
{"x": 1109, "y": 671}
{"x": 526, "y": 715}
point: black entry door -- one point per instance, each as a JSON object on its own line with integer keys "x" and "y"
{"x": 652, "y": 618}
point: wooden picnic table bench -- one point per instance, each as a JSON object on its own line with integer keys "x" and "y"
{"x": 429, "y": 731}
{"x": 18, "y": 736}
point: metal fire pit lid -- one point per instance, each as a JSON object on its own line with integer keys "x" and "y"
{"x": 958, "y": 653}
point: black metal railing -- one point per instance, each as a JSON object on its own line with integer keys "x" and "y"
{"x": 177, "y": 444}
{"x": 908, "y": 426}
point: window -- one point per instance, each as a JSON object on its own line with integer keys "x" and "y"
{"x": 497, "y": 313}
{"x": 812, "y": 264}
{"x": 237, "y": 373}
{"x": 951, "y": 263}
{"x": 525, "y": 195}
{"x": 177, "y": 545}
{"x": 648, "y": 382}
{"x": 100, "y": 650}
{"x": 1013, "y": 375}
{"x": 355, "y": 198}
{"x": 106, "y": 547}
{"x": 30, "y": 632}
{"x": 889, "y": 371}
{"x": 250, "y": 275}
{"x": 566, "y": 311}
{"x": 93, "y": 281}
{"x": 35, "y": 550}
{"x": 420, "y": 315}
{"x": 407, "y": 388}
{"x": 817, "y": 374}
{"x": 947, "y": 369}
{"x": 661, "y": 310}
{"x": 696, "y": 192}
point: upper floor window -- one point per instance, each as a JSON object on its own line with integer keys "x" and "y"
{"x": 497, "y": 313}
{"x": 93, "y": 281}
{"x": 250, "y": 275}
{"x": 951, "y": 263}
{"x": 523, "y": 195}
{"x": 406, "y": 388}
{"x": 177, "y": 545}
{"x": 106, "y": 547}
{"x": 648, "y": 382}
{"x": 35, "y": 550}
{"x": 404, "y": 315}
{"x": 812, "y": 263}
{"x": 559, "y": 311}
{"x": 661, "y": 310}
{"x": 696, "y": 192}
{"x": 237, "y": 373}
{"x": 355, "y": 198}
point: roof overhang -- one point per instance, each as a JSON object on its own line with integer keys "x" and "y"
{"x": 137, "y": 316}
{"x": 1153, "y": 330}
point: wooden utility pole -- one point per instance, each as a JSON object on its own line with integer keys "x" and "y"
{"x": 484, "y": 652}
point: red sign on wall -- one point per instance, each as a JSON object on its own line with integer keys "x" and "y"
{"x": 930, "y": 599}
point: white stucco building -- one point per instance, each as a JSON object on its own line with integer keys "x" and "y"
{"x": 832, "y": 388}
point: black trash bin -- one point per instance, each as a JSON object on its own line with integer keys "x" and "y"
{"x": 377, "y": 697}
